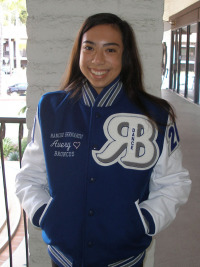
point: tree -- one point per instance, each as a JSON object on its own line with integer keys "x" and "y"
{"x": 23, "y": 16}
{"x": 15, "y": 6}
{"x": 20, "y": 7}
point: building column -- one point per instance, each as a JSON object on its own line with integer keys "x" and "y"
{"x": 11, "y": 53}
{"x": 17, "y": 54}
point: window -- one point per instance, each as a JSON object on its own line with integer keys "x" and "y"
{"x": 192, "y": 57}
{"x": 185, "y": 62}
{"x": 175, "y": 37}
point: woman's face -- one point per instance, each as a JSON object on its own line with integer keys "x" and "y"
{"x": 101, "y": 55}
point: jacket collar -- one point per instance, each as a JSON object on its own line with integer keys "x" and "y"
{"x": 106, "y": 98}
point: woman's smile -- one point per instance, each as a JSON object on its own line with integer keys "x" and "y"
{"x": 99, "y": 74}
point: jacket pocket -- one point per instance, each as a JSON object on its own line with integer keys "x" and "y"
{"x": 45, "y": 211}
{"x": 146, "y": 229}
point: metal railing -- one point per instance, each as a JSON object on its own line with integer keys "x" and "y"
{"x": 21, "y": 122}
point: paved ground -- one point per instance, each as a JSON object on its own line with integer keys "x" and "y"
{"x": 11, "y": 168}
{"x": 178, "y": 245}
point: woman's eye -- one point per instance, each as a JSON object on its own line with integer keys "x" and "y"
{"x": 88, "y": 48}
{"x": 111, "y": 50}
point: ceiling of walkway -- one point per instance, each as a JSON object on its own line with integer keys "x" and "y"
{"x": 172, "y": 7}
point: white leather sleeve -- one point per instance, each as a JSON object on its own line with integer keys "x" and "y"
{"x": 31, "y": 181}
{"x": 170, "y": 187}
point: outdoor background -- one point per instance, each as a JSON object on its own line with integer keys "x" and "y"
{"x": 46, "y": 42}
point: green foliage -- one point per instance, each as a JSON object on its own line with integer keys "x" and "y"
{"x": 11, "y": 8}
{"x": 11, "y": 151}
{"x": 8, "y": 146}
{"x": 16, "y": 4}
{"x": 23, "y": 16}
{"x": 22, "y": 110}
{"x": 13, "y": 156}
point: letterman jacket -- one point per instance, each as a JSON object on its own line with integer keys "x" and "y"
{"x": 99, "y": 178}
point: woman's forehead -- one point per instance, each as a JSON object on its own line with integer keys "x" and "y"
{"x": 106, "y": 33}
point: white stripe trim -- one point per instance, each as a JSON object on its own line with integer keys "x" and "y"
{"x": 60, "y": 257}
{"x": 119, "y": 262}
{"x": 146, "y": 228}
{"x": 89, "y": 94}
{"x": 133, "y": 262}
{"x": 85, "y": 99}
{"x": 114, "y": 95}
{"x": 44, "y": 211}
{"x": 106, "y": 96}
{"x": 128, "y": 262}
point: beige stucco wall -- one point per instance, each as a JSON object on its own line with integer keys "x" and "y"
{"x": 52, "y": 27}
{"x": 172, "y": 7}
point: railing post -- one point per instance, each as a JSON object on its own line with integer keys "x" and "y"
{"x": 20, "y": 121}
{"x": 2, "y": 136}
{"x": 21, "y": 129}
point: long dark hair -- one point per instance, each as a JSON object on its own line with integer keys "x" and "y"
{"x": 131, "y": 74}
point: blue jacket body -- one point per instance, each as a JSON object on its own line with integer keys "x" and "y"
{"x": 100, "y": 154}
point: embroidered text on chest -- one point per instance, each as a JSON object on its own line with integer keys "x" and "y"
{"x": 63, "y": 148}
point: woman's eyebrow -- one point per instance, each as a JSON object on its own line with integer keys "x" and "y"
{"x": 106, "y": 44}
{"x": 90, "y": 42}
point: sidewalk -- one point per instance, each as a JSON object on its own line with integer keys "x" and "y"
{"x": 18, "y": 257}
{"x": 178, "y": 245}
{"x": 19, "y": 260}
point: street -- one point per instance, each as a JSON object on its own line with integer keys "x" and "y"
{"x": 10, "y": 105}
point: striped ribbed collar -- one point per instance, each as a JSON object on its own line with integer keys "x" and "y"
{"x": 105, "y": 98}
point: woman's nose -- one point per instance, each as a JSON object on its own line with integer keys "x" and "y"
{"x": 98, "y": 57}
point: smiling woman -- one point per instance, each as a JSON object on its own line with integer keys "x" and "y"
{"x": 103, "y": 172}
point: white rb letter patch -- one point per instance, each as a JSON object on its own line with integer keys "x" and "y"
{"x": 131, "y": 141}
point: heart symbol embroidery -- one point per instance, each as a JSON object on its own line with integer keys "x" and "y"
{"x": 76, "y": 144}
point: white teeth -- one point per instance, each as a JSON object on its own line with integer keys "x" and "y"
{"x": 98, "y": 72}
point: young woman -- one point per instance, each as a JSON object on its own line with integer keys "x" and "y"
{"x": 102, "y": 173}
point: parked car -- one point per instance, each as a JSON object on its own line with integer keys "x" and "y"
{"x": 6, "y": 69}
{"x": 19, "y": 88}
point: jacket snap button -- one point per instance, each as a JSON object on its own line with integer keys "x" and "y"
{"x": 91, "y": 213}
{"x": 92, "y": 180}
{"x": 98, "y": 115}
{"x": 90, "y": 244}
{"x": 95, "y": 147}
